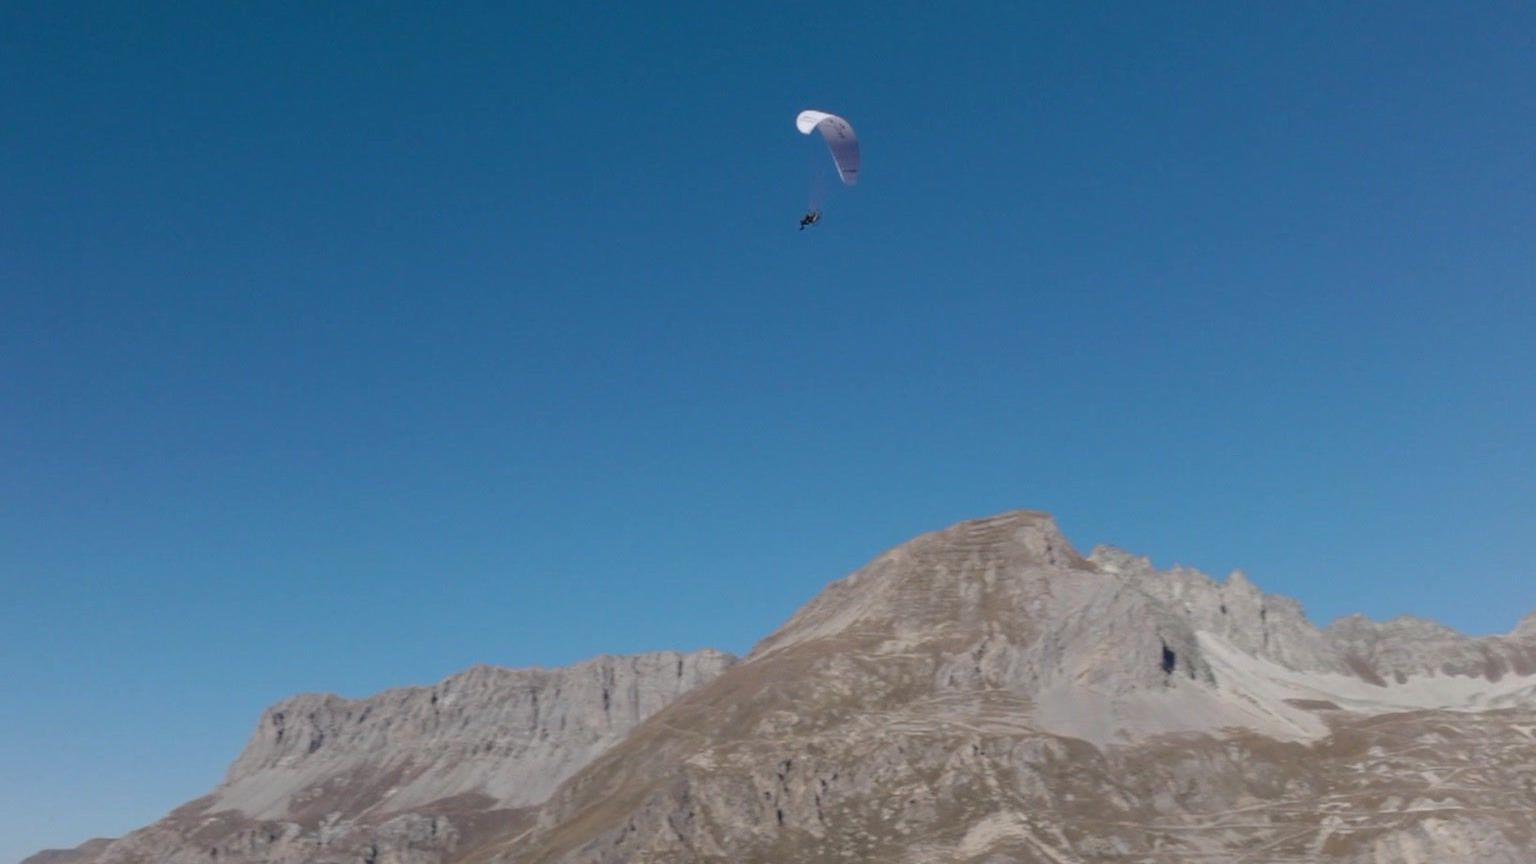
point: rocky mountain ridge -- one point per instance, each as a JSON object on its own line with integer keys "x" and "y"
{"x": 460, "y": 736}
{"x": 981, "y": 694}
{"x": 411, "y": 769}
{"x": 1275, "y": 628}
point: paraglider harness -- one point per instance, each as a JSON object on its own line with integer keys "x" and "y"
{"x": 810, "y": 219}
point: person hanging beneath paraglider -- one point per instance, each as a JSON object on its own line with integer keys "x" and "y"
{"x": 809, "y": 219}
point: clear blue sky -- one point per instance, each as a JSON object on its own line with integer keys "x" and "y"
{"x": 342, "y": 349}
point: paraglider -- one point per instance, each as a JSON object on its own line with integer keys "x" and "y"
{"x": 844, "y": 145}
{"x": 840, "y": 140}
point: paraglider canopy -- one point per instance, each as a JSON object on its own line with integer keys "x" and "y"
{"x": 840, "y": 140}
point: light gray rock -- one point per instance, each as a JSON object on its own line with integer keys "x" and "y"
{"x": 1259, "y": 624}
{"x": 510, "y": 735}
{"x": 1406, "y": 647}
{"x": 982, "y": 694}
{"x": 411, "y": 775}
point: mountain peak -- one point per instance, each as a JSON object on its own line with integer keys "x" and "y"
{"x": 1020, "y": 536}
{"x": 939, "y": 584}
{"x": 1113, "y": 559}
{"x": 924, "y": 708}
{"x": 1526, "y": 629}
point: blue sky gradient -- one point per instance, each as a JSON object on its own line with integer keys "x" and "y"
{"x": 345, "y": 348}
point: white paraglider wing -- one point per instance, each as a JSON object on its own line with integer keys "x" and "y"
{"x": 840, "y": 139}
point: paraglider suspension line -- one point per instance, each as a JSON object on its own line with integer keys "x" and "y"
{"x": 818, "y": 185}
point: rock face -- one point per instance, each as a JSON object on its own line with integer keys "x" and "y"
{"x": 982, "y": 694}
{"x": 985, "y": 694}
{"x": 508, "y": 736}
{"x": 416, "y": 774}
{"x": 84, "y": 851}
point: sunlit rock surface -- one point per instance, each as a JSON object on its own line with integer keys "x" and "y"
{"x": 981, "y": 694}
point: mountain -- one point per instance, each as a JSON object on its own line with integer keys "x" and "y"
{"x": 982, "y": 694}
{"x": 410, "y": 775}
